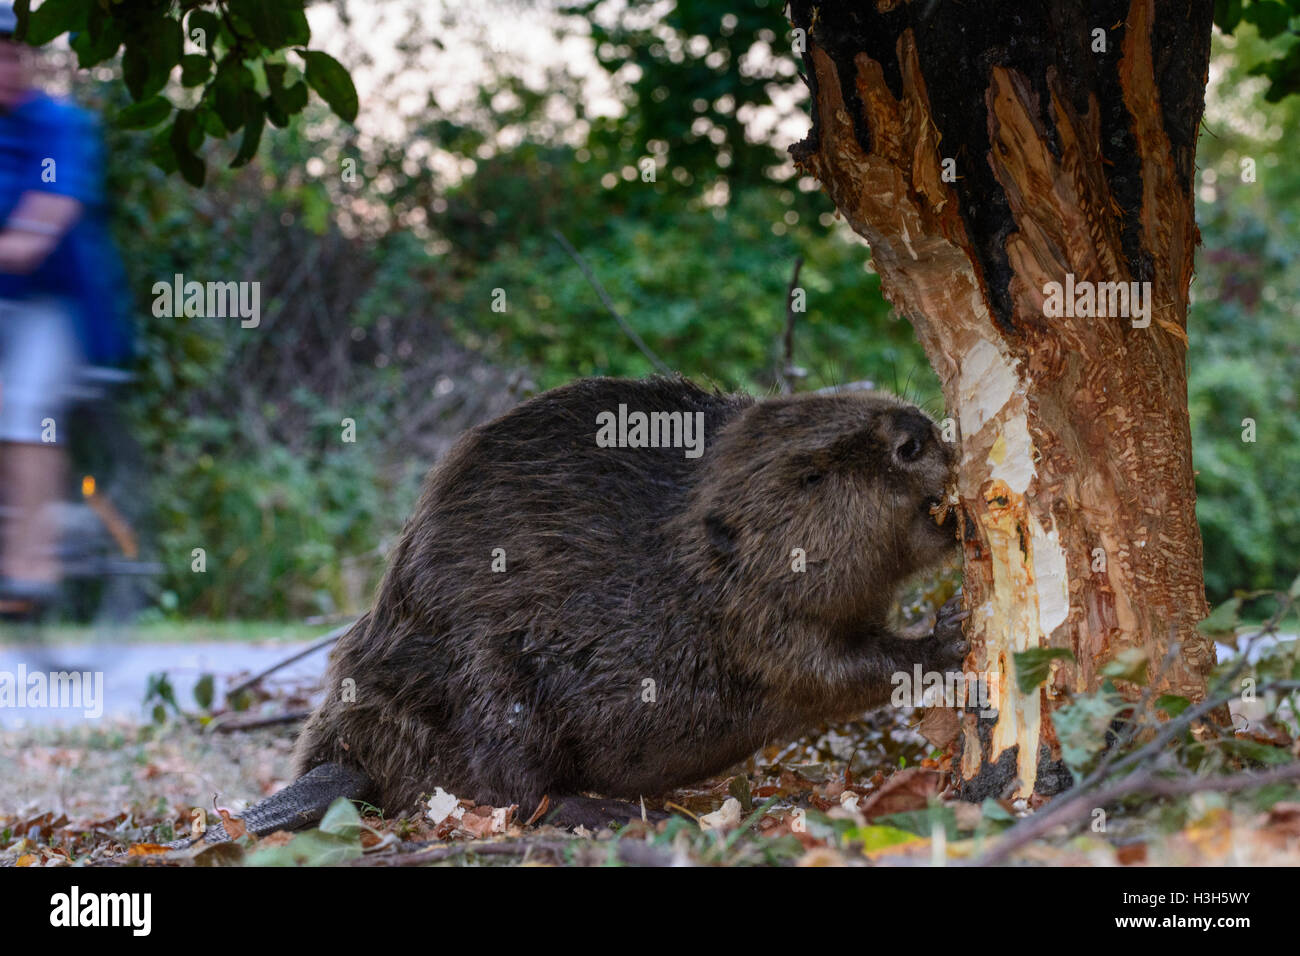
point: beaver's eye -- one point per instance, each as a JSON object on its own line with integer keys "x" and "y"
{"x": 812, "y": 478}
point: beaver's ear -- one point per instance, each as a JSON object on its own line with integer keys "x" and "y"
{"x": 719, "y": 534}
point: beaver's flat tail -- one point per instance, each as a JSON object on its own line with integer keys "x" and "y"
{"x": 300, "y": 804}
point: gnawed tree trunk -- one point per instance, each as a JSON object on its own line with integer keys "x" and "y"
{"x": 1071, "y": 131}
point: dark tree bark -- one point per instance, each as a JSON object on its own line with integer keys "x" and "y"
{"x": 1071, "y": 130}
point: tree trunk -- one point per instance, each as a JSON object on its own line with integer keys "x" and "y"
{"x": 986, "y": 150}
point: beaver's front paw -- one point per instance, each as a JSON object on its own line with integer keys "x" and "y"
{"x": 947, "y": 646}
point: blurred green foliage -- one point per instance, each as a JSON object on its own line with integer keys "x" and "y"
{"x": 1271, "y": 19}
{"x": 1244, "y": 326}
{"x": 378, "y": 296}
{"x": 719, "y": 317}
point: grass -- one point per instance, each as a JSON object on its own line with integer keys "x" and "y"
{"x": 168, "y": 631}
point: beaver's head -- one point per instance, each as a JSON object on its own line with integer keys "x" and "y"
{"x": 856, "y": 481}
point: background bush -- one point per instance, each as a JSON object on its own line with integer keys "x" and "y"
{"x": 377, "y": 299}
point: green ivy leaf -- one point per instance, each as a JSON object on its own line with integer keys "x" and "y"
{"x": 1223, "y": 619}
{"x": 144, "y": 114}
{"x": 1283, "y": 74}
{"x": 1227, "y": 14}
{"x": 1129, "y": 664}
{"x": 875, "y": 838}
{"x": 183, "y": 130}
{"x": 228, "y": 91}
{"x": 1081, "y": 727}
{"x": 151, "y": 51}
{"x": 55, "y": 17}
{"x": 1269, "y": 16}
{"x": 253, "y": 123}
{"x": 924, "y": 822}
{"x": 1172, "y": 704}
{"x": 161, "y": 153}
{"x": 99, "y": 41}
{"x": 1254, "y": 750}
{"x": 312, "y": 848}
{"x": 1034, "y": 665}
{"x": 274, "y": 114}
{"x": 204, "y": 691}
{"x": 342, "y": 819}
{"x": 275, "y": 23}
{"x": 195, "y": 69}
{"x": 283, "y": 102}
{"x": 159, "y": 686}
{"x": 327, "y": 77}
{"x": 294, "y": 98}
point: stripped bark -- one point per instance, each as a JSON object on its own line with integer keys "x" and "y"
{"x": 1076, "y": 477}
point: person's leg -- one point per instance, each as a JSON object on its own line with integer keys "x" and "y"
{"x": 39, "y": 357}
{"x": 34, "y": 477}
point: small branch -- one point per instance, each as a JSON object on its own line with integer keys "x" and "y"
{"x": 286, "y": 718}
{"x": 604, "y": 298}
{"x": 1090, "y": 787}
{"x": 787, "y": 354}
{"x": 325, "y": 641}
{"x": 1139, "y": 719}
{"x": 1090, "y": 793}
{"x": 630, "y": 852}
{"x": 1144, "y": 781}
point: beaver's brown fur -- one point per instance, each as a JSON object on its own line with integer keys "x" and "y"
{"x": 649, "y": 630}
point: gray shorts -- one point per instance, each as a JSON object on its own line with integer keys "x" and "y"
{"x": 39, "y": 361}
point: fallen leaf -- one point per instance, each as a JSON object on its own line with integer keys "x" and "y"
{"x": 940, "y": 726}
{"x": 1131, "y": 853}
{"x": 908, "y": 789}
{"x": 235, "y": 828}
{"x": 821, "y": 856}
{"x": 726, "y": 817}
{"x": 540, "y": 811}
{"x": 146, "y": 849}
{"x": 443, "y": 805}
{"x": 476, "y": 824}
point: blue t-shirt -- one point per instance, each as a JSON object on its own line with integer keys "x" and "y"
{"x": 51, "y": 146}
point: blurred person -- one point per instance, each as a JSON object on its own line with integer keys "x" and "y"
{"x": 59, "y": 282}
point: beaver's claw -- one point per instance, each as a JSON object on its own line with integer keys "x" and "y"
{"x": 949, "y": 646}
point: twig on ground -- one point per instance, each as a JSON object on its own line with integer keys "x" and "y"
{"x": 1090, "y": 789}
{"x": 1144, "y": 781}
{"x": 325, "y": 641}
{"x": 631, "y": 852}
{"x": 286, "y": 718}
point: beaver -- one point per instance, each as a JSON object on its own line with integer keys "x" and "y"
{"x": 566, "y": 615}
